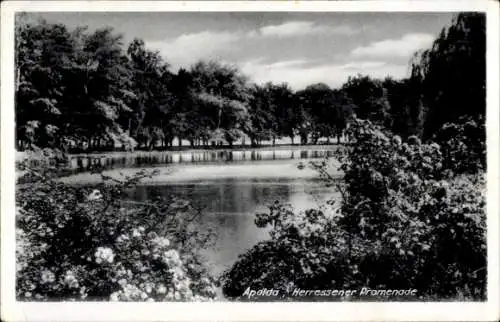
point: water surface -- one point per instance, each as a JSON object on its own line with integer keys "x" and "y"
{"x": 230, "y": 193}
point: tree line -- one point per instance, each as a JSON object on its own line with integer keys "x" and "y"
{"x": 82, "y": 89}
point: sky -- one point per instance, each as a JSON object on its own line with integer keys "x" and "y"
{"x": 299, "y": 48}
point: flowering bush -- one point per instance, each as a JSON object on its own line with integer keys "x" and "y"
{"x": 76, "y": 243}
{"x": 405, "y": 221}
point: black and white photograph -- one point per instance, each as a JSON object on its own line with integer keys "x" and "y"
{"x": 250, "y": 156}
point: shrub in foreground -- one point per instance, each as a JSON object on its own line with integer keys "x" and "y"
{"x": 89, "y": 243}
{"x": 404, "y": 222}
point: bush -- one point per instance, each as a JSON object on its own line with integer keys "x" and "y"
{"x": 306, "y": 250}
{"x": 405, "y": 222}
{"x": 464, "y": 145}
{"x": 76, "y": 243}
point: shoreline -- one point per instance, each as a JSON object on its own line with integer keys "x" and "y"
{"x": 20, "y": 155}
{"x": 186, "y": 149}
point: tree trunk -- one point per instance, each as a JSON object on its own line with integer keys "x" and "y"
{"x": 303, "y": 139}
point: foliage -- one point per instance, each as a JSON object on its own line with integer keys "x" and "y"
{"x": 76, "y": 243}
{"x": 370, "y": 98}
{"x": 327, "y": 110}
{"x": 272, "y": 113}
{"x": 452, "y": 73}
{"x": 404, "y": 222}
{"x": 154, "y": 102}
{"x": 84, "y": 90}
{"x": 406, "y": 107}
{"x": 464, "y": 145}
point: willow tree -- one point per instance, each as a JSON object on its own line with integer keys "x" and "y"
{"x": 452, "y": 73}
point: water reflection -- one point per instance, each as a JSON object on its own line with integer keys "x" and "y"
{"x": 139, "y": 159}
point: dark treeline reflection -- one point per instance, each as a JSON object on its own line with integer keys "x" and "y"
{"x": 155, "y": 158}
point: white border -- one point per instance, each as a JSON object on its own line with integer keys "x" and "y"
{"x": 18, "y": 311}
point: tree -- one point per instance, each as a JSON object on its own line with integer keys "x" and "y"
{"x": 261, "y": 115}
{"x": 272, "y": 112}
{"x": 221, "y": 97}
{"x": 154, "y": 105}
{"x": 452, "y": 73}
{"x": 343, "y": 113}
{"x": 406, "y": 112}
{"x": 42, "y": 53}
{"x": 71, "y": 86}
{"x": 370, "y": 98}
{"x": 284, "y": 119}
{"x": 100, "y": 92}
{"x": 326, "y": 111}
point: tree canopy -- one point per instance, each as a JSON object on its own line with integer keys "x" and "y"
{"x": 89, "y": 90}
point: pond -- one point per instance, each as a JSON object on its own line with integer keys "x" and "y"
{"x": 230, "y": 193}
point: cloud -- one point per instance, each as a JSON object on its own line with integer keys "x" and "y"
{"x": 297, "y": 28}
{"x": 189, "y": 48}
{"x": 300, "y": 73}
{"x": 363, "y": 65}
{"x": 402, "y": 47}
{"x": 287, "y": 63}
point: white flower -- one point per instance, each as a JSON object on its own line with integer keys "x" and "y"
{"x": 177, "y": 272}
{"x": 114, "y": 297}
{"x": 104, "y": 254}
{"x": 161, "y": 242}
{"x": 122, "y": 238}
{"x": 94, "y": 195}
{"x": 171, "y": 258}
{"x": 48, "y": 277}
{"x": 136, "y": 233}
{"x": 161, "y": 289}
{"x": 70, "y": 279}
